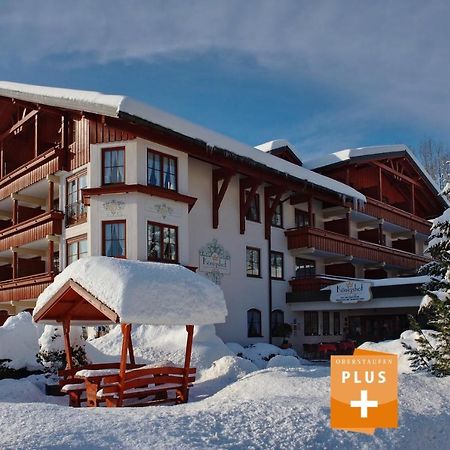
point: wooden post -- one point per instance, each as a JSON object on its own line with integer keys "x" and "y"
{"x": 50, "y": 196}
{"x": 2, "y": 163}
{"x": 51, "y": 256}
{"x": 187, "y": 362}
{"x": 14, "y": 266}
{"x": 380, "y": 185}
{"x": 123, "y": 360}
{"x": 15, "y": 215}
{"x": 36, "y": 137}
{"x": 130, "y": 347}
{"x": 413, "y": 199}
{"x": 66, "y": 330}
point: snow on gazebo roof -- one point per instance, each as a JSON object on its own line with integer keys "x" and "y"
{"x": 139, "y": 292}
{"x": 126, "y": 108}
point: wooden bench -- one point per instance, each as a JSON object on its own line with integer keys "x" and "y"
{"x": 146, "y": 386}
{"x": 75, "y": 388}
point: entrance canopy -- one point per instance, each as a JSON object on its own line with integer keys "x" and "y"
{"x": 99, "y": 289}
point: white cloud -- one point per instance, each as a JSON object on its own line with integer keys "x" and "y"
{"x": 389, "y": 58}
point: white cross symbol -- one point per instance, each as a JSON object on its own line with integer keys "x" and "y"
{"x": 364, "y": 404}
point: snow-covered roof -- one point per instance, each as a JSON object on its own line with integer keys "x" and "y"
{"x": 143, "y": 292}
{"x": 376, "y": 151}
{"x": 273, "y": 145}
{"x": 121, "y": 106}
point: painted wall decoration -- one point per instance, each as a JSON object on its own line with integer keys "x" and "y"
{"x": 163, "y": 210}
{"x": 114, "y": 207}
{"x": 215, "y": 261}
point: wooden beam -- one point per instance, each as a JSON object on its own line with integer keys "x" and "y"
{"x": 123, "y": 360}
{"x": 245, "y": 198}
{"x": 187, "y": 362}
{"x": 29, "y": 199}
{"x": 395, "y": 172}
{"x": 28, "y": 251}
{"x": 270, "y": 205}
{"x": 218, "y": 194}
{"x": 17, "y": 125}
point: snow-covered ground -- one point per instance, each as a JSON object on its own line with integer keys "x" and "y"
{"x": 269, "y": 408}
{"x": 237, "y": 402}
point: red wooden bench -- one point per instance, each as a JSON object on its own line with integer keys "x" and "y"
{"x": 144, "y": 386}
{"x": 75, "y": 387}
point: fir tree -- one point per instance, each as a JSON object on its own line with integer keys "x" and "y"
{"x": 432, "y": 352}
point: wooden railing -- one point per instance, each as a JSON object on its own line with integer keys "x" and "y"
{"x": 396, "y": 216}
{"x": 338, "y": 244}
{"x": 35, "y": 170}
{"x": 25, "y": 287}
{"x": 31, "y": 230}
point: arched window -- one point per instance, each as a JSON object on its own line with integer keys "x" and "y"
{"x": 254, "y": 323}
{"x": 277, "y": 320}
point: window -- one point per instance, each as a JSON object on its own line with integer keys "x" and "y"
{"x": 301, "y": 218}
{"x": 253, "y": 212}
{"x": 311, "y": 323}
{"x": 277, "y": 321}
{"x": 162, "y": 242}
{"x": 253, "y": 262}
{"x": 76, "y": 248}
{"x": 276, "y": 265}
{"x": 277, "y": 218}
{"x": 325, "y": 323}
{"x": 75, "y": 209}
{"x": 336, "y": 323}
{"x": 114, "y": 239}
{"x": 254, "y": 323}
{"x": 113, "y": 165}
{"x": 304, "y": 268}
{"x": 161, "y": 170}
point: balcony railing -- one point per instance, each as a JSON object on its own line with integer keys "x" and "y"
{"x": 396, "y": 216}
{"x": 75, "y": 213}
{"x": 338, "y": 244}
{"x": 25, "y": 287}
{"x": 49, "y": 223}
{"x": 34, "y": 170}
{"x": 312, "y": 284}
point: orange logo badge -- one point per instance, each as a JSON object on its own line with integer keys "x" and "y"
{"x": 364, "y": 391}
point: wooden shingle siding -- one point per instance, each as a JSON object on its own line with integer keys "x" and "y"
{"x": 101, "y": 133}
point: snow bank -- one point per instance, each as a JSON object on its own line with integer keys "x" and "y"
{"x": 228, "y": 368}
{"x": 260, "y": 353}
{"x": 161, "y": 344}
{"x": 285, "y": 361}
{"x": 396, "y": 346}
{"x": 19, "y": 342}
{"x": 144, "y": 292}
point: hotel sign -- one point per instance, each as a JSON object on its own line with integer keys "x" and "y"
{"x": 352, "y": 291}
{"x": 215, "y": 261}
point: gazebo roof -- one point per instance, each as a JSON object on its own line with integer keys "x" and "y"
{"x": 98, "y": 289}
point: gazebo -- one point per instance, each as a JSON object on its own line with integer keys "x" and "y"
{"x": 101, "y": 290}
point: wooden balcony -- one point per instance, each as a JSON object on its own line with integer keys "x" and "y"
{"x": 49, "y": 223}
{"x": 329, "y": 243}
{"x": 33, "y": 171}
{"x": 396, "y": 216}
{"x": 24, "y": 288}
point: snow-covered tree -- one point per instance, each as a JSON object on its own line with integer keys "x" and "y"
{"x": 432, "y": 352}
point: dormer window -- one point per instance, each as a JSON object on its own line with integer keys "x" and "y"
{"x": 161, "y": 170}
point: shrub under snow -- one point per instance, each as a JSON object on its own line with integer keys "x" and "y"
{"x": 19, "y": 342}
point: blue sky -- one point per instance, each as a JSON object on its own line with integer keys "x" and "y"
{"x": 324, "y": 75}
